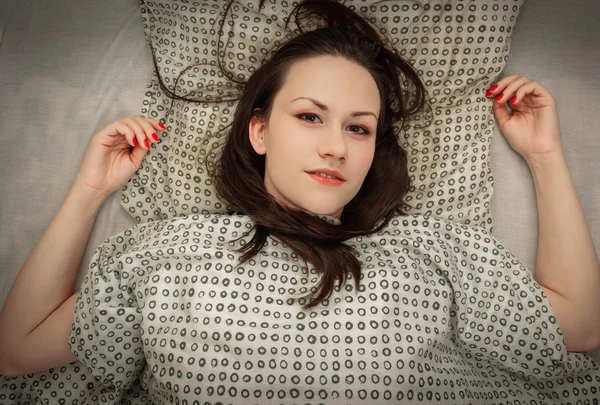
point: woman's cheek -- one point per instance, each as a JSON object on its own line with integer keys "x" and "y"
{"x": 297, "y": 145}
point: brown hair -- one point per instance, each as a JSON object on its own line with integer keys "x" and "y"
{"x": 239, "y": 173}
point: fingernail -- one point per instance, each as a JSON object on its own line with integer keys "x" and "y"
{"x": 146, "y": 144}
{"x": 514, "y": 100}
{"x": 488, "y": 94}
{"x": 494, "y": 87}
{"x": 155, "y": 137}
{"x": 499, "y": 96}
{"x": 161, "y": 126}
{"x": 134, "y": 142}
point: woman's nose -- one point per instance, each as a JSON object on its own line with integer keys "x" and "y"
{"x": 333, "y": 143}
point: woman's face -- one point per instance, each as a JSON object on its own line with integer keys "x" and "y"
{"x": 303, "y": 137}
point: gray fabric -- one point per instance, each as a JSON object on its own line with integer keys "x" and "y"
{"x": 556, "y": 43}
{"x": 66, "y": 72}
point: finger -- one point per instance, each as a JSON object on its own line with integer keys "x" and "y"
{"x": 500, "y": 85}
{"x": 533, "y": 88}
{"x": 148, "y": 129}
{"x": 155, "y": 124}
{"x": 505, "y": 93}
{"x": 510, "y": 90}
{"x": 501, "y": 113}
{"x": 140, "y": 134}
{"x": 505, "y": 81}
{"x": 137, "y": 155}
{"x": 126, "y": 131}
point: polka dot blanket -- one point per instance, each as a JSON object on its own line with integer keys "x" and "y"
{"x": 444, "y": 315}
{"x": 459, "y": 49}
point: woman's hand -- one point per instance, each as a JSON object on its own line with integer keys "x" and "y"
{"x": 533, "y": 128}
{"x": 110, "y": 160}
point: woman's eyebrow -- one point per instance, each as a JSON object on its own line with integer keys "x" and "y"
{"x": 324, "y": 107}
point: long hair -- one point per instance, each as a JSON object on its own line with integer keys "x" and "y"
{"x": 238, "y": 175}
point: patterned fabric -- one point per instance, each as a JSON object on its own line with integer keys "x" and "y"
{"x": 459, "y": 48}
{"x": 444, "y": 314}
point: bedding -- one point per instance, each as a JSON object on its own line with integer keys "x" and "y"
{"x": 458, "y": 49}
{"x": 444, "y": 314}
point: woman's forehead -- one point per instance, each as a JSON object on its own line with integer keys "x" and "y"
{"x": 330, "y": 84}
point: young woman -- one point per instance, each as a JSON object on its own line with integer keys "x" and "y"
{"x": 339, "y": 296}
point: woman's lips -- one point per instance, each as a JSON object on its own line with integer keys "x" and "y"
{"x": 326, "y": 180}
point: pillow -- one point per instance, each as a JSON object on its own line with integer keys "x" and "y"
{"x": 458, "y": 49}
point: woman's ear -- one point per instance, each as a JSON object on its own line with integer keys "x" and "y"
{"x": 256, "y": 131}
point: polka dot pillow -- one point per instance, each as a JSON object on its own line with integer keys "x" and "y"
{"x": 459, "y": 49}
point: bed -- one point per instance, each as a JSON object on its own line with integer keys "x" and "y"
{"x": 68, "y": 70}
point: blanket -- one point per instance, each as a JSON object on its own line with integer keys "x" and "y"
{"x": 444, "y": 314}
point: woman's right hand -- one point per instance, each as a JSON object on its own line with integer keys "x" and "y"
{"x": 533, "y": 128}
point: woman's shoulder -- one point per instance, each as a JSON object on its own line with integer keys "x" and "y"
{"x": 170, "y": 230}
{"x": 198, "y": 220}
{"x": 214, "y": 224}
{"x": 409, "y": 224}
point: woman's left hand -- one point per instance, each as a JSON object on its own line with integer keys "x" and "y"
{"x": 115, "y": 153}
{"x": 533, "y": 127}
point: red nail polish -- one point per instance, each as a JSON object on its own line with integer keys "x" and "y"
{"x": 155, "y": 137}
{"x": 161, "y": 126}
{"x": 134, "y": 142}
{"x": 514, "y": 100}
{"x": 499, "y": 96}
{"x": 146, "y": 144}
{"x": 494, "y": 87}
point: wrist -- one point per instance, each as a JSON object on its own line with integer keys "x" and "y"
{"x": 544, "y": 160}
{"x": 89, "y": 194}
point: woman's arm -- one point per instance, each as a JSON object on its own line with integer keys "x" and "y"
{"x": 41, "y": 300}
{"x": 46, "y": 281}
{"x": 567, "y": 263}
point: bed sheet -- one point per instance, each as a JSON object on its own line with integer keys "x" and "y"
{"x": 556, "y": 43}
{"x": 66, "y": 72}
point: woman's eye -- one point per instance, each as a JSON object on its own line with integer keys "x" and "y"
{"x": 359, "y": 127}
{"x": 307, "y": 115}
{"x": 313, "y": 115}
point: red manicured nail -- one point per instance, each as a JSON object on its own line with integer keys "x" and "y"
{"x": 494, "y": 87}
{"x": 134, "y": 142}
{"x": 146, "y": 144}
{"x": 514, "y": 100}
{"x": 488, "y": 94}
{"x": 499, "y": 96}
{"x": 155, "y": 137}
{"x": 161, "y": 126}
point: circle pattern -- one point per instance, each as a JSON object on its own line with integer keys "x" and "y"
{"x": 458, "y": 48}
{"x": 444, "y": 315}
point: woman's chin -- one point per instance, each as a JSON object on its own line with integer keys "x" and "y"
{"x": 331, "y": 211}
